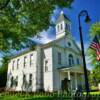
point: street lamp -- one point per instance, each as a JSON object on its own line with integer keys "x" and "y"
{"x": 87, "y": 19}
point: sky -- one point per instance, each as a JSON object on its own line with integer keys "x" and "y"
{"x": 93, "y": 8}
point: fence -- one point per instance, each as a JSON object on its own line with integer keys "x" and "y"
{"x": 50, "y": 96}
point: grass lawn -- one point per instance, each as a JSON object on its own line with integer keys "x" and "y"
{"x": 4, "y": 96}
{"x": 94, "y": 93}
{"x": 97, "y": 92}
{"x": 24, "y": 98}
{"x": 27, "y": 97}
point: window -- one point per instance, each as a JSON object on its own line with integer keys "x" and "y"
{"x": 68, "y": 27}
{"x": 13, "y": 65}
{"x": 58, "y": 28}
{"x": 12, "y": 82}
{"x": 24, "y": 78}
{"x": 31, "y": 59}
{"x": 59, "y": 58}
{"x": 46, "y": 65}
{"x": 18, "y": 63}
{"x": 78, "y": 62}
{"x": 25, "y": 61}
{"x": 69, "y": 44}
{"x": 61, "y": 26}
{"x": 71, "y": 60}
{"x": 30, "y": 79}
{"x": 16, "y": 81}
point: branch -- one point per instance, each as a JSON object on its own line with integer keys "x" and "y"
{"x": 4, "y": 5}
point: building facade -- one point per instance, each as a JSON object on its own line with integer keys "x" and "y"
{"x": 53, "y": 66}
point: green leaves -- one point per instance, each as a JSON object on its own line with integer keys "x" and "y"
{"x": 21, "y": 19}
{"x": 94, "y": 30}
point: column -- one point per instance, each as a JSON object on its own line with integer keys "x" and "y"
{"x": 76, "y": 85}
{"x": 82, "y": 81}
{"x": 59, "y": 81}
{"x": 70, "y": 83}
{"x": 68, "y": 75}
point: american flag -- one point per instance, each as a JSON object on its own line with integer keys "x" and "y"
{"x": 95, "y": 45}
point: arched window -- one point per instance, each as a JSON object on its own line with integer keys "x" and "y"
{"x": 69, "y": 44}
{"x": 71, "y": 60}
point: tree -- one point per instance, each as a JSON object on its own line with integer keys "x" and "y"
{"x": 95, "y": 75}
{"x": 3, "y": 72}
{"x": 94, "y": 30}
{"x": 21, "y": 19}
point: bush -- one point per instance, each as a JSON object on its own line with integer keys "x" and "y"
{"x": 94, "y": 88}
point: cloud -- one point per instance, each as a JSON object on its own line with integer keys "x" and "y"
{"x": 45, "y": 36}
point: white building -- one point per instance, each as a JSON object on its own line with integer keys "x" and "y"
{"x": 54, "y": 66}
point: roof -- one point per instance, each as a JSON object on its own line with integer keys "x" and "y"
{"x": 31, "y": 47}
{"x": 40, "y": 45}
{"x": 27, "y": 50}
{"x": 78, "y": 69}
{"x": 62, "y": 17}
{"x": 56, "y": 40}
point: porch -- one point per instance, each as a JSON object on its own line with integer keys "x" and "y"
{"x": 71, "y": 78}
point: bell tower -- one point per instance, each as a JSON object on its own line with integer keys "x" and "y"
{"x": 63, "y": 25}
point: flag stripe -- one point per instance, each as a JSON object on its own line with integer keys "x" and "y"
{"x": 95, "y": 45}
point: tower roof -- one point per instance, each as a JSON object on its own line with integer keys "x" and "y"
{"x": 62, "y": 17}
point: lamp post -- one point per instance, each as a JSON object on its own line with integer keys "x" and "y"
{"x": 84, "y": 13}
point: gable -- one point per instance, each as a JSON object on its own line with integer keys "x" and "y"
{"x": 68, "y": 43}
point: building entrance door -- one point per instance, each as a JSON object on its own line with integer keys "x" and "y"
{"x": 65, "y": 84}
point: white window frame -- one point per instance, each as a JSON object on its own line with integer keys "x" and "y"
{"x": 18, "y": 63}
{"x": 31, "y": 59}
{"x": 59, "y": 58}
{"x": 46, "y": 65}
{"x": 25, "y": 61}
